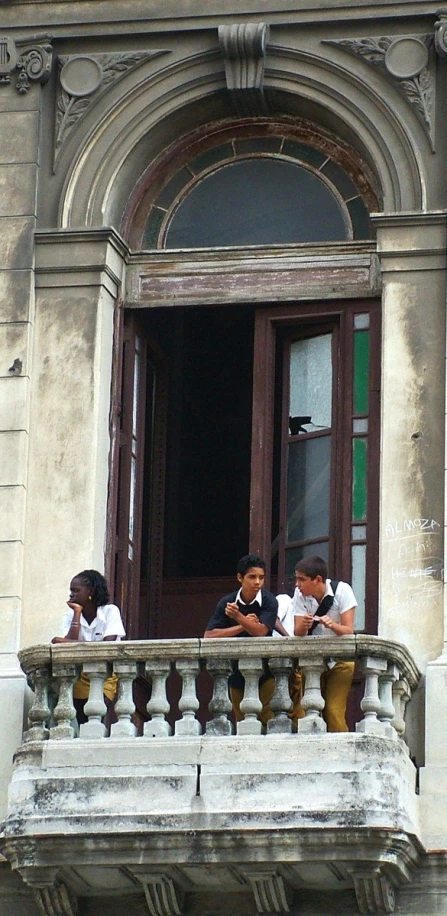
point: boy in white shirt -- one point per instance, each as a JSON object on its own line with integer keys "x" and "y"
{"x": 313, "y": 591}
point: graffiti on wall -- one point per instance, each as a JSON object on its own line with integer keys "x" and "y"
{"x": 414, "y": 561}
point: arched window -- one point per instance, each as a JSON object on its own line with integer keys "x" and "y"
{"x": 259, "y": 184}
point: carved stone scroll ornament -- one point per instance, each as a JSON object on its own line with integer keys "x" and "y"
{"x": 82, "y": 80}
{"x": 243, "y": 48}
{"x": 26, "y": 61}
{"x": 441, "y": 34}
{"x": 407, "y": 60}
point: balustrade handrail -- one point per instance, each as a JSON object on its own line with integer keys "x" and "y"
{"x": 347, "y": 647}
{"x": 389, "y": 671}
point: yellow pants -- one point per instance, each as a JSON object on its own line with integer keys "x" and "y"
{"x": 266, "y": 691}
{"x": 335, "y": 685}
{"x": 81, "y": 689}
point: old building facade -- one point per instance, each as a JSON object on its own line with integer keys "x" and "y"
{"x": 223, "y": 287}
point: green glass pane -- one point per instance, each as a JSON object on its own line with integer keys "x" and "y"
{"x": 360, "y": 218}
{"x": 359, "y": 490}
{"x": 211, "y": 157}
{"x": 258, "y": 145}
{"x": 153, "y": 226}
{"x": 361, "y": 371}
{"x": 173, "y": 188}
{"x": 304, "y": 152}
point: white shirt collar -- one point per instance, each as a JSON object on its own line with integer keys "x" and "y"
{"x": 258, "y": 598}
{"x": 99, "y": 616}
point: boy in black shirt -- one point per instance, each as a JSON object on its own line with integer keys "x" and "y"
{"x": 249, "y": 611}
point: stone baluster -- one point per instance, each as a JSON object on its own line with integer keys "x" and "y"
{"x": 251, "y": 669}
{"x": 387, "y": 712}
{"x": 64, "y": 712}
{"x": 95, "y": 708}
{"x": 158, "y": 672}
{"x": 280, "y": 703}
{"x": 220, "y": 704}
{"x": 312, "y": 701}
{"x": 188, "y": 703}
{"x": 40, "y": 711}
{"x": 371, "y": 705}
{"x": 124, "y": 706}
{"x": 401, "y": 695}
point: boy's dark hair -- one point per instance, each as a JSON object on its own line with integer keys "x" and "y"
{"x": 312, "y": 567}
{"x": 96, "y": 581}
{"x": 247, "y": 562}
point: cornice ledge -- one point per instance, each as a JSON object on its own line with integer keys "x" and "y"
{"x": 88, "y": 234}
{"x": 408, "y": 60}
{"x": 410, "y": 218}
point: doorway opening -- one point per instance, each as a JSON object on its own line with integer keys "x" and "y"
{"x": 244, "y": 429}
{"x": 206, "y": 454}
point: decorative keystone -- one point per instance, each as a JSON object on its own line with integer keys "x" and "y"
{"x": 243, "y": 48}
{"x": 374, "y": 891}
{"x": 271, "y": 893}
{"x": 31, "y": 61}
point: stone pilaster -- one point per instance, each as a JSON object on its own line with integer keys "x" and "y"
{"x": 78, "y": 276}
{"x": 413, "y": 256}
{"x": 19, "y": 130}
{"x": 412, "y": 252}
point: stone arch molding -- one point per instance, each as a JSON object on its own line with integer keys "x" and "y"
{"x": 109, "y": 144}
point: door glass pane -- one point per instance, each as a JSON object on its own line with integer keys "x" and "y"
{"x": 311, "y": 384}
{"x": 308, "y": 488}
{"x": 295, "y": 554}
{"x": 358, "y": 582}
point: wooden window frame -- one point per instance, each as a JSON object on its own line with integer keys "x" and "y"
{"x": 267, "y": 323}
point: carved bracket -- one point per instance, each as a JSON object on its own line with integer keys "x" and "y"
{"x": 271, "y": 893}
{"x": 243, "y": 48}
{"x": 51, "y": 893}
{"x": 31, "y": 60}
{"x": 374, "y": 891}
{"x": 163, "y": 897}
{"x": 407, "y": 60}
{"x": 82, "y": 80}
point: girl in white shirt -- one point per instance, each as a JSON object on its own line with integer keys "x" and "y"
{"x": 91, "y": 618}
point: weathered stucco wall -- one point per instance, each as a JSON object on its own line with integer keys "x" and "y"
{"x": 69, "y": 451}
{"x": 412, "y": 251}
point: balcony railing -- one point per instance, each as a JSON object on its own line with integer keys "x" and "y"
{"x": 175, "y": 798}
{"x": 387, "y": 669}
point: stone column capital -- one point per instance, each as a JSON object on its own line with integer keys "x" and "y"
{"x": 25, "y": 61}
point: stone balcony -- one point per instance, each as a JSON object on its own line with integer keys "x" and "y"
{"x": 182, "y": 805}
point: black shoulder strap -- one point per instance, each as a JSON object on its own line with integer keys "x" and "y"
{"x": 325, "y": 605}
